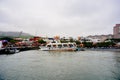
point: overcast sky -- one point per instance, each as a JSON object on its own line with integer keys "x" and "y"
{"x": 60, "y": 17}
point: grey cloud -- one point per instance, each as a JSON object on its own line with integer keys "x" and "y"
{"x": 59, "y": 17}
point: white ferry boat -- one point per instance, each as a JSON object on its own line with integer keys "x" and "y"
{"x": 59, "y": 47}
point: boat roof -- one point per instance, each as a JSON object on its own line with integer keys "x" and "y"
{"x": 59, "y": 43}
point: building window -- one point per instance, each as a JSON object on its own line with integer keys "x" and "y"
{"x": 119, "y": 29}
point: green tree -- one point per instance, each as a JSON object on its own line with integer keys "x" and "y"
{"x": 105, "y": 44}
{"x": 41, "y": 41}
{"x": 63, "y": 41}
{"x": 71, "y": 40}
{"x": 6, "y": 38}
{"x": 13, "y": 41}
{"x": 77, "y": 42}
{"x": 88, "y": 44}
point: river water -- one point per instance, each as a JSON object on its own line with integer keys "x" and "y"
{"x": 43, "y": 65}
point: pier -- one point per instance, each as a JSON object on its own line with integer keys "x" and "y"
{"x": 12, "y": 50}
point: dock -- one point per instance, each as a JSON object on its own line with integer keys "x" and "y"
{"x": 12, "y": 50}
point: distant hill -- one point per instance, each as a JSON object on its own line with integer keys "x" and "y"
{"x": 14, "y": 34}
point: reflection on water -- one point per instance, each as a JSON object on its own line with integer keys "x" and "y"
{"x": 116, "y": 72}
{"x": 43, "y": 65}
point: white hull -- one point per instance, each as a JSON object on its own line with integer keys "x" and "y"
{"x": 59, "y": 47}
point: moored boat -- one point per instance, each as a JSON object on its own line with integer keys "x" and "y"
{"x": 59, "y": 47}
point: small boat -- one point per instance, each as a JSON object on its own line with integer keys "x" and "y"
{"x": 9, "y": 50}
{"x": 80, "y": 49}
{"x": 59, "y": 47}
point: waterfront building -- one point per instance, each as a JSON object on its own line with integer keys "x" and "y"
{"x": 48, "y": 39}
{"x": 57, "y": 39}
{"x": 100, "y": 38}
{"x": 1, "y": 45}
{"x": 85, "y": 40}
{"x": 35, "y": 38}
{"x": 65, "y": 39}
{"x": 78, "y": 37}
{"x": 116, "y": 31}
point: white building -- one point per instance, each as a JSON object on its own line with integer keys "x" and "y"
{"x": 1, "y": 44}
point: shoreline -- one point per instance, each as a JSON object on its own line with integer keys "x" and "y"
{"x": 103, "y": 49}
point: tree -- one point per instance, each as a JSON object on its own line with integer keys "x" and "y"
{"x": 6, "y": 38}
{"x": 88, "y": 44}
{"x": 71, "y": 40}
{"x": 41, "y": 41}
{"x": 77, "y": 42}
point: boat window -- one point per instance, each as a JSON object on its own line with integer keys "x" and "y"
{"x": 48, "y": 45}
{"x": 59, "y": 45}
{"x": 65, "y": 45}
{"x": 54, "y": 45}
{"x": 70, "y": 45}
{"x": 74, "y": 44}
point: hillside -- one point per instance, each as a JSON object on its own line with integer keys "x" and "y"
{"x": 14, "y": 34}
